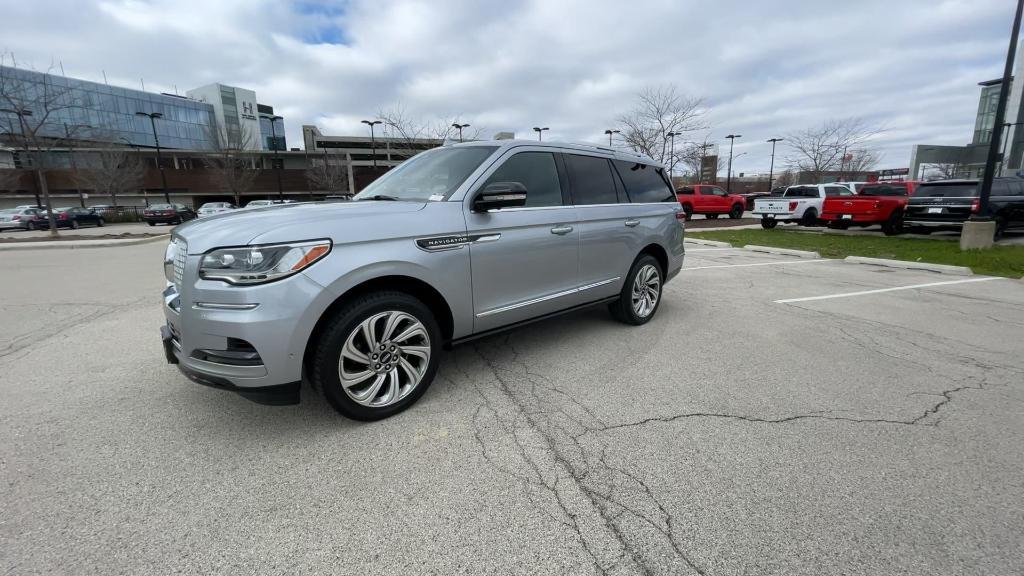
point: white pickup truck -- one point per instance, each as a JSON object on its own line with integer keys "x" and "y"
{"x": 800, "y": 203}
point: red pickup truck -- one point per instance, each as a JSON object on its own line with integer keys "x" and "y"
{"x": 710, "y": 200}
{"x": 876, "y": 203}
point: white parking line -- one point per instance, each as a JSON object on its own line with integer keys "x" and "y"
{"x": 880, "y": 290}
{"x": 761, "y": 264}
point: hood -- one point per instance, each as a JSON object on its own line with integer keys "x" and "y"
{"x": 284, "y": 223}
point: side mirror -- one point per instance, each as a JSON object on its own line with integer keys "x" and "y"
{"x": 500, "y": 195}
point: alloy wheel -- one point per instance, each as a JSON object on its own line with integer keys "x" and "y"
{"x": 646, "y": 290}
{"x": 384, "y": 358}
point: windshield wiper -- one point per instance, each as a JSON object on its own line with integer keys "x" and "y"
{"x": 378, "y": 197}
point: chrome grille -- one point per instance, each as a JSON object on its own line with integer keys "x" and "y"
{"x": 181, "y": 248}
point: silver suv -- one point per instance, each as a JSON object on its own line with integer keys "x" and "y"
{"x": 456, "y": 243}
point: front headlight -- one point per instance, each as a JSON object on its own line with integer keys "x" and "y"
{"x": 258, "y": 264}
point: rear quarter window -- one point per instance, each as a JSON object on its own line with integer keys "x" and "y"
{"x": 938, "y": 190}
{"x": 644, "y": 182}
{"x": 884, "y": 190}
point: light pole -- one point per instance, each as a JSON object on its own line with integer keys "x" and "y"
{"x": 71, "y": 154}
{"x": 728, "y": 177}
{"x": 539, "y": 131}
{"x": 459, "y": 127}
{"x": 159, "y": 163}
{"x": 672, "y": 155}
{"x": 771, "y": 167}
{"x": 609, "y": 132}
{"x": 373, "y": 141}
{"x": 278, "y": 165}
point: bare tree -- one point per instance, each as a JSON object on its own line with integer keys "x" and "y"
{"x": 660, "y": 111}
{"x": 231, "y": 160}
{"x": 857, "y": 162}
{"x": 817, "y": 150}
{"x": 111, "y": 172}
{"x": 406, "y": 135}
{"x": 32, "y": 109}
{"x": 323, "y": 174}
{"x": 785, "y": 178}
{"x": 943, "y": 171}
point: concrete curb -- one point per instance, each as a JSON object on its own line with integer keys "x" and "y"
{"x": 78, "y": 244}
{"x": 782, "y": 251}
{"x": 940, "y": 268}
{"x": 708, "y": 242}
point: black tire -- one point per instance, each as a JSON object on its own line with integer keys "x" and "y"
{"x": 151, "y": 223}
{"x": 31, "y": 226}
{"x": 177, "y": 221}
{"x": 1000, "y": 229}
{"x": 101, "y": 223}
{"x": 324, "y": 371}
{"x": 688, "y": 211}
{"x": 711, "y": 216}
{"x": 737, "y": 212}
{"x": 810, "y": 218}
{"x": 769, "y": 223}
{"x": 74, "y": 225}
{"x": 894, "y": 225}
{"x": 622, "y": 309}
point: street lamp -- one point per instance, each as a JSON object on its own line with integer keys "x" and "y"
{"x": 728, "y": 178}
{"x": 539, "y": 131}
{"x": 278, "y": 165}
{"x": 609, "y": 132}
{"x": 373, "y": 141}
{"x": 672, "y": 155}
{"x": 159, "y": 163}
{"x": 771, "y": 167}
{"x": 459, "y": 127}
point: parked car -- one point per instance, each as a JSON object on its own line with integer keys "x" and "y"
{"x": 211, "y": 208}
{"x": 71, "y": 217}
{"x": 167, "y": 214}
{"x": 877, "y": 203}
{"x": 801, "y": 203}
{"x": 456, "y": 243}
{"x": 27, "y": 206}
{"x": 710, "y": 200}
{"x": 23, "y": 218}
{"x": 947, "y": 204}
{"x": 265, "y": 203}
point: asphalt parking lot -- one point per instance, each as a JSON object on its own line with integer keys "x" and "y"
{"x": 779, "y": 416}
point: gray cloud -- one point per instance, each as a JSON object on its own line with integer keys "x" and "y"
{"x": 763, "y": 68}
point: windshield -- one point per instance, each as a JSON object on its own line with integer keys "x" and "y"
{"x": 960, "y": 190}
{"x": 431, "y": 175}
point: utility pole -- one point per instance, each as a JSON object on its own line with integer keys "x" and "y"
{"x": 278, "y": 164}
{"x": 728, "y": 178}
{"x": 156, "y": 139}
{"x": 771, "y": 167}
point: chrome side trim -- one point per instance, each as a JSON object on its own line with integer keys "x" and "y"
{"x": 217, "y": 306}
{"x": 546, "y": 298}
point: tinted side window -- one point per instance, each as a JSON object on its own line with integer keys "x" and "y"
{"x": 1016, "y": 188}
{"x": 837, "y": 191}
{"x": 645, "y": 183}
{"x": 591, "y": 180}
{"x": 536, "y": 171}
{"x": 685, "y": 190}
{"x": 1000, "y": 188}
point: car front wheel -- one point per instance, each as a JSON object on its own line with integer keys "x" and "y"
{"x": 769, "y": 223}
{"x": 641, "y": 292}
{"x": 736, "y": 212}
{"x": 377, "y": 356}
{"x": 101, "y": 223}
{"x": 31, "y": 226}
{"x": 74, "y": 225}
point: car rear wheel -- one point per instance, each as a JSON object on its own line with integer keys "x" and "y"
{"x": 769, "y": 223}
{"x": 1000, "y": 228}
{"x": 810, "y": 217}
{"x": 641, "y": 292}
{"x": 737, "y": 211}
{"x": 101, "y": 223}
{"x": 377, "y": 356}
{"x": 74, "y": 225}
{"x": 894, "y": 225}
{"x": 688, "y": 211}
{"x": 31, "y": 226}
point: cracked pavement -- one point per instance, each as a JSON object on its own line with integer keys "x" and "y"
{"x": 880, "y": 434}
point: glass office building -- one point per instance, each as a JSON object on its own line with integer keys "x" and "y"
{"x": 90, "y": 111}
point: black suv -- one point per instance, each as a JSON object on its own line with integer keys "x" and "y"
{"x": 947, "y": 204}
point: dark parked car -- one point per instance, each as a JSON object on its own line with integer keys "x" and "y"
{"x": 167, "y": 214}
{"x": 947, "y": 204}
{"x": 73, "y": 218}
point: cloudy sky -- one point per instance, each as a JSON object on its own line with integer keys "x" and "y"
{"x": 762, "y": 68}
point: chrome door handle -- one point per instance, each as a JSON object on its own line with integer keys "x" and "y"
{"x": 631, "y": 223}
{"x": 561, "y": 230}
